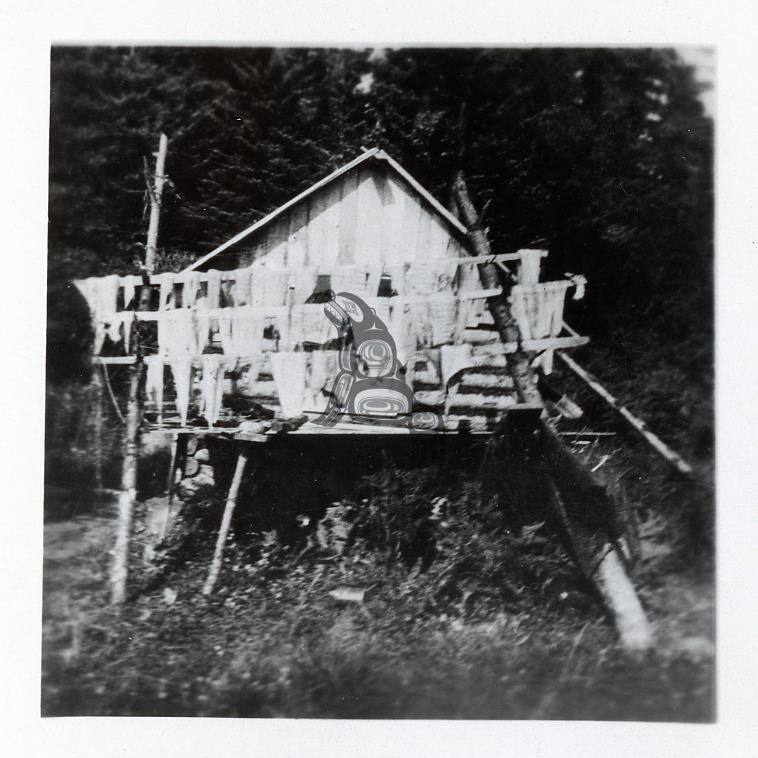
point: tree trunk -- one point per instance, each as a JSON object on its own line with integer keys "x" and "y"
{"x": 518, "y": 362}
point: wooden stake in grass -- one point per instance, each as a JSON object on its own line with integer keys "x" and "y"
{"x": 231, "y": 502}
{"x": 178, "y": 455}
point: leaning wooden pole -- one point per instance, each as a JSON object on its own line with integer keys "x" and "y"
{"x": 637, "y": 424}
{"x": 594, "y": 547}
{"x": 231, "y": 502}
{"x": 518, "y": 362}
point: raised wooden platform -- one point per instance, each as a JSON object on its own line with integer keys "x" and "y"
{"x": 527, "y": 413}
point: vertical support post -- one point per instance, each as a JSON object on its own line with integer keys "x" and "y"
{"x": 178, "y": 454}
{"x": 231, "y": 502}
{"x": 156, "y": 198}
{"x": 128, "y": 495}
{"x": 97, "y": 384}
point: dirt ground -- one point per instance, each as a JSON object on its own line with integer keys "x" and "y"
{"x": 273, "y": 641}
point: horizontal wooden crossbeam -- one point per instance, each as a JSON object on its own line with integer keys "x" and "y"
{"x": 548, "y": 343}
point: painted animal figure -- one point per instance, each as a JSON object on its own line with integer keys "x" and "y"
{"x": 371, "y": 380}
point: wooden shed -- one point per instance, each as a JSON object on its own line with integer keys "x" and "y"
{"x": 244, "y": 329}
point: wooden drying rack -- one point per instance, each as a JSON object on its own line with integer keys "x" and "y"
{"x": 483, "y": 342}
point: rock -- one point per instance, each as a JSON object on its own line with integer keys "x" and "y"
{"x": 153, "y": 442}
{"x": 191, "y": 467}
{"x": 253, "y": 427}
{"x": 190, "y": 486}
{"x": 187, "y": 488}
{"x": 206, "y": 475}
{"x": 333, "y": 529}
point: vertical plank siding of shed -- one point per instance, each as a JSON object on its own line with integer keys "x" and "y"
{"x": 297, "y": 251}
{"x": 261, "y": 248}
{"x": 369, "y": 223}
{"x": 456, "y": 248}
{"x": 278, "y": 237}
{"x": 322, "y": 219}
{"x": 393, "y": 208}
{"x": 368, "y": 216}
{"x": 424, "y": 237}
{"x": 348, "y": 215}
{"x": 438, "y": 236}
{"x": 410, "y": 226}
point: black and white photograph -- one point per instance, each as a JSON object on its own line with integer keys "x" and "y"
{"x": 380, "y": 382}
{"x": 379, "y": 379}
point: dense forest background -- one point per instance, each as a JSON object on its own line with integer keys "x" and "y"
{"x": 604, "y": 157}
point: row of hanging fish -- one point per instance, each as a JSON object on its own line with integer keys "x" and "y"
{"x": 302, "y": 380}
{"x": 300, "y": 377}
{"x": 262, "y": 285}
{"x": 213, "y": 322}
{"x": 415, "y": 320}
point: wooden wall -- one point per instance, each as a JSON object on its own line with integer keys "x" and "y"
{"x": 367, "y": 216}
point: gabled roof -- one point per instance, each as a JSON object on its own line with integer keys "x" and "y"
{"x": 373, "y": 154}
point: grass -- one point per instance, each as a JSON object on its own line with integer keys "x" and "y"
{"x": 471, "y": 607}
{"x": 466, "y": 614}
